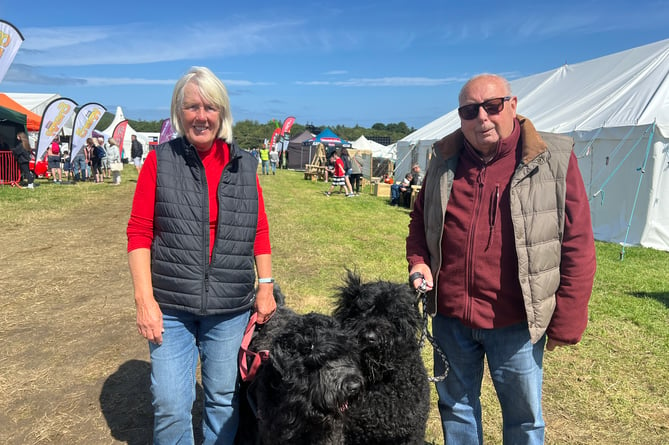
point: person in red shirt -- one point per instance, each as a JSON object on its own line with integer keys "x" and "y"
{"x": 501, "y": 240}
{"x": 197, "y": 236}
{"x": 338, "y": 176}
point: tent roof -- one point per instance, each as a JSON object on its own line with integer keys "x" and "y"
{"x": 628, "y": 88}
{"x": 35, "y": 102}
{"x": 378, "y": 150}
{"x": 305, "y": 135}
{"x": 32, "y": 120}
{"x": 329, "y": 138}
{"x": 7, "y": 114}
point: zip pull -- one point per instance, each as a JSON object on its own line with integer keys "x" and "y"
{"x": 494, "y": 201}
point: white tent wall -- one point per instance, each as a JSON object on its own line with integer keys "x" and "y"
{"x": 623, "y": 184}
{"x": 409, "y": 154}
{"x": 129, "y": 131}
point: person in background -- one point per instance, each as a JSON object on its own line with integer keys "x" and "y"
{"x": 356, "y": 173}
{"x": 273, "y": 160}
{"x": 399, "y": 189}
{"x": 53, "y": 160}
{"x": 264, "y": 159}
{"x": 79, "y": 165}
{"x": 501, "y": 240}
{"x": 115, "y": 162}
{"x": 22, "y": 154}
{"x": 106, "y": 172}
{"x": 136, "y": 152}
{"x": 197, "y": 227}
{"x": 346, "y": 159}
{"x": 417, "y": 175}
{"x": 67, "y": 165}
{"x": 338, "y": 175}
{"x": 97, "y": 153}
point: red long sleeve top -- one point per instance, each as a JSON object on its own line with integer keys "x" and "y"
{"x": 140, "y": 225}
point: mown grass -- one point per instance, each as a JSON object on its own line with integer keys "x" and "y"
{"x": 611, "y": 388}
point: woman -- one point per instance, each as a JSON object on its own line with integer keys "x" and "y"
{"x": 197, "y": 226}
{"x": 53, "y": 160}
{"x": 96, "y": 153}
{"x": 22, "y": 155}
{"x": 114, "y": 160}
{"x": 346, "y": 158}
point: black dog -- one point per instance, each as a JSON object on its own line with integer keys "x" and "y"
{"x": 302, "y": 391}
{"x": 394, "y": 406}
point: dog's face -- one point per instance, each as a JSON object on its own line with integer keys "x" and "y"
{"x": 382, "y": 315}
{"x": 319, "y": 362}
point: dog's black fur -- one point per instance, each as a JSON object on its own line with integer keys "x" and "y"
{"x": 301, "y": 393}
{"x": 394, "y": 406}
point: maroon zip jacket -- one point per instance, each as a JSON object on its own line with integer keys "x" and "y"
{"x": 478, "y": 280}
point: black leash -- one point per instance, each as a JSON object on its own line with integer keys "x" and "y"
{"x": 421, "y": 296}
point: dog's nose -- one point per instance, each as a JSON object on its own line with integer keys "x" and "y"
{"x": 352, "y": 386}
{"x": 370, "y": 337}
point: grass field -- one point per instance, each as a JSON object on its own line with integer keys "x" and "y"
{"x": 74, "y": 370}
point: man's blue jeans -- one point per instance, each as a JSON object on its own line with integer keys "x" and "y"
{"x": 215, "y": 339}
{"x": 265, "y": 167}
{"x": 516, "y": 369}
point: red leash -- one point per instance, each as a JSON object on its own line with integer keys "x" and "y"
{"x": 248, "y": 371}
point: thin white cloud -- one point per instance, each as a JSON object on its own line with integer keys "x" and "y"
{"x": 386, "y": 82}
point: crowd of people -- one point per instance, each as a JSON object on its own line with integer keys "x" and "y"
{"x": 97, "y": 161}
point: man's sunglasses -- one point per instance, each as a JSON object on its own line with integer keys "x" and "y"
{"x": 491, "y": 106}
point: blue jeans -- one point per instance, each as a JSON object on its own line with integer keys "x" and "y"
{"x": 273, "y": 167}
{"x": 215, "y": 339}
{"x": 265, "y": 167}
{"x": 516, "y": 369}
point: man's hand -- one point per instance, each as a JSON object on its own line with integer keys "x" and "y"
{"x": 552, "y": 344}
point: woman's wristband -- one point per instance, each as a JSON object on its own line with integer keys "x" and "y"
{"x": 265, "y": 280}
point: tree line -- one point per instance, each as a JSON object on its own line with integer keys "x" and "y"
{"x": 250, "y": 134}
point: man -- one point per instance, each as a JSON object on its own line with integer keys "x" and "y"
{"x": 501, "y": 238}
{"x": 416, "y": 175}
{"x": 136, "y": 152}
{"x": 264, "y": 160}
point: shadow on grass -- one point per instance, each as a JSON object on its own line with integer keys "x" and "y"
{"x": 125, "y": 401}
{"x": 662, "y": 297}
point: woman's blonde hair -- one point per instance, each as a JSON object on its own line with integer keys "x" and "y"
{"x": 111, "y": 141}
{"x": 212, "y": 90}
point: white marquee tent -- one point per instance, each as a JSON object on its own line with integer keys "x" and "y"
{"x": 616, "y": 108}
{"x": 378, "y": 150}
{"x": 129, "y": 131}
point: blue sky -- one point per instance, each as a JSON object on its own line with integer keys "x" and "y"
{"x": 326, "y": 63}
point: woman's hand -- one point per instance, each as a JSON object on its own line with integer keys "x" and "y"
{"x": 265, "y": 305}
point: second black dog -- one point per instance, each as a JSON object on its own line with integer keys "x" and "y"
{"x": 394, "y": 406}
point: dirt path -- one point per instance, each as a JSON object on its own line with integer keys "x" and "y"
{"x": 74, "y": 370}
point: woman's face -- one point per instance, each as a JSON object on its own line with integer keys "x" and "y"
{"x": 200, "y": 119}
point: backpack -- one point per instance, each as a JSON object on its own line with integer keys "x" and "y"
{"x": 347, "y": 162}
{"x": 99, "y": 152}
{"x": 55, "y": 149}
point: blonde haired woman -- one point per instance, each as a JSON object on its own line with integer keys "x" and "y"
{"x": 114, "y": 159}
{"x": 197, "y": 236}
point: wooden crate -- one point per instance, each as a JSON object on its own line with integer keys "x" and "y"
{"x": 381, "y": 189}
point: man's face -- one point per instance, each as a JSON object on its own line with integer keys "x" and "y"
{"x": 486, "y": 130}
